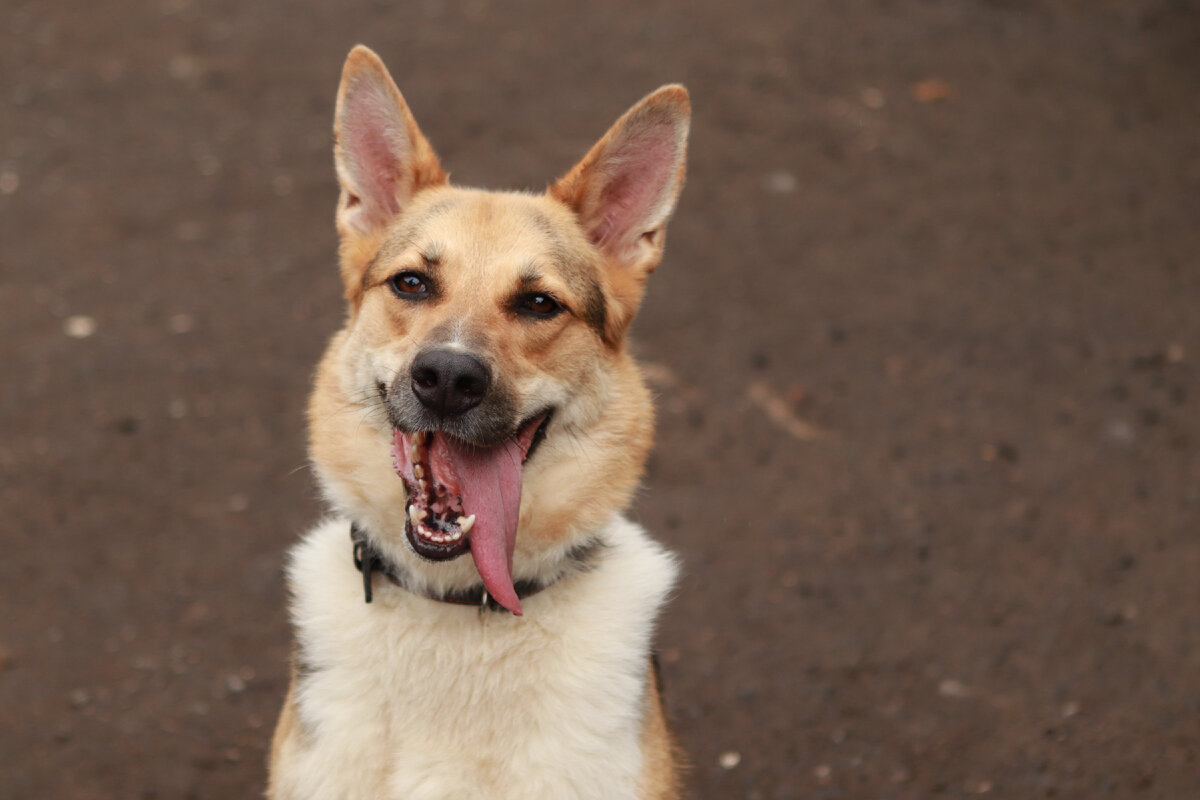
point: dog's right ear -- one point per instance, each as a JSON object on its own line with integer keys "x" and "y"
{"x": 381, "y": 156}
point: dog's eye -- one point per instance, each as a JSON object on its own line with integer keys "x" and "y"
{"x": 538, "y": 305}
{"x": 409, "y": 285}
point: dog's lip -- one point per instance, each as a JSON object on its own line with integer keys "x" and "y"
{"x": 434, "y": 551}
{"x": 546, "y": 414}
{"x": 539, "y": 435}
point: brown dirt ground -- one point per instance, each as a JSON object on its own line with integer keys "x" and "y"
{"x": 926, "y": 344}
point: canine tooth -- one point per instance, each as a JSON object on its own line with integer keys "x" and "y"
{"x": 417, "y": 514}
{"x": 466, "y": 523}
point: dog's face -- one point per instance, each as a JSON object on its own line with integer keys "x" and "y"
{"x": 485, "y": 341}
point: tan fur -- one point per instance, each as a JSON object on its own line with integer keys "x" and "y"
{"x": 287, "y": 736}
{"x": 398, "y": 214}
{"x": 660, "y": 778}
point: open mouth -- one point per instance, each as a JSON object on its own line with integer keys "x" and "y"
{"x": 465, "y": 496}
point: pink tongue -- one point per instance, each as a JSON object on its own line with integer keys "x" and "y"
{"x": 489, "y": 482}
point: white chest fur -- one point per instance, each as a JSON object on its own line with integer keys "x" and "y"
{"x": 414, "y": 699}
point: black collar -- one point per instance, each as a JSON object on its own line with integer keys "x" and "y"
{"x": 368, "y": 559}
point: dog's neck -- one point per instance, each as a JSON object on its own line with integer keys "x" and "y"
{"x": 368, "y": 559}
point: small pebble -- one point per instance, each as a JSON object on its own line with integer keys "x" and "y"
{"x": 1120, "y": 431}
{"x": 932, "y": 90}
{"x": 146, "y": 663}
{"x": 238, "y": 503}
{"x": 1175, "y": 351}
{"x": 9, "y": 182}
{"x": 183, "y": 67}
{"x": 781, "y": 182}
{"x": 79, "y": 326}
{"x": 729, "y": 759}
{"x": 978, "y": 786}
{"x": 1070, "y": 709}
{"x": 181, "y": 323}
{"x": 823, "y": 773}
{"x": 872, "y": 98}
{"x": 952, "y": 688}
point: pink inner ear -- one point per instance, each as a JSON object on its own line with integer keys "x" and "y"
{"x": 371, "y": 137}
{"x": 639, "y": 176}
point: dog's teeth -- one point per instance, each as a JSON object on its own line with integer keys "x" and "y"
{"x": 414, "y": 453}
{"x": 422, "y": 484}
{"x": 466, "y": 523}
{"x": 417, "y": 514}
{"x": 418, "y": 470}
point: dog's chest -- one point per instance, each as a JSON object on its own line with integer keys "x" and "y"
{"x": 412, "y": 699}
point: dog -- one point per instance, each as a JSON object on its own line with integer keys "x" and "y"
{"x": 476, "y": 621}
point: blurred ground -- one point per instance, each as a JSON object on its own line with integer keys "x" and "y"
{"x": 926, "y": 343}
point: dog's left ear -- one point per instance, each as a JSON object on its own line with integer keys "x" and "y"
{"x": 625, "y": 188}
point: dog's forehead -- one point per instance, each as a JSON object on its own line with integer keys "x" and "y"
{"x": 488, "y": 230}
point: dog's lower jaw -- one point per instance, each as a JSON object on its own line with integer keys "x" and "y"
{"x": 417, "y": 722}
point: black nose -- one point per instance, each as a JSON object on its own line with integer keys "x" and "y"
{"x": 449, "y": 383}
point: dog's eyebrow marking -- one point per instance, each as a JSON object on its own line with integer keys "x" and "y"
{"x": 432, "y": 253}
{"x": 529, "y": 278}
{"x": 407, "y": 236}
{"x": 579, "y": 275}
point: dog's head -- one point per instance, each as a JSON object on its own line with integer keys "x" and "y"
{"x": 485, "y": 344}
